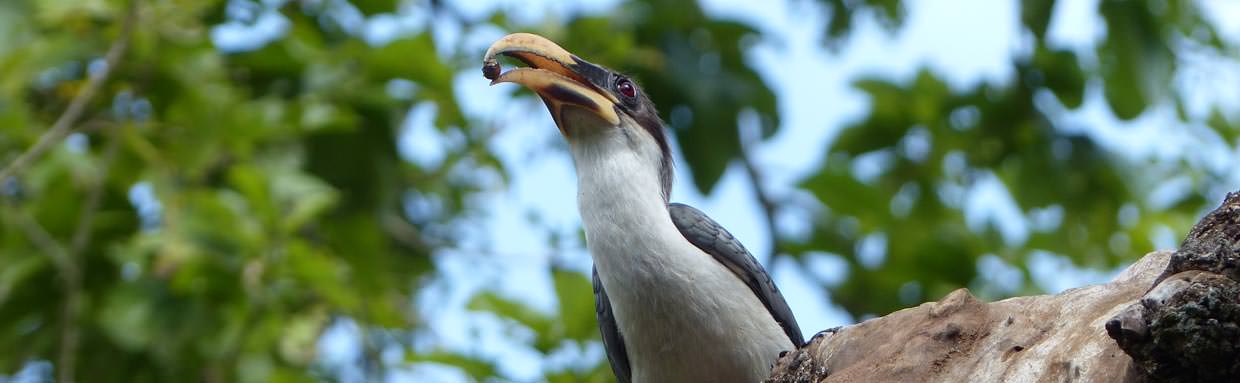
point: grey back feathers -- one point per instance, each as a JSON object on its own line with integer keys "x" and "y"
{"x": 713, "y": 239}
{"x": 617, "y": 354}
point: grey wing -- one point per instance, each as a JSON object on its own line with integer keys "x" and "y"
{"x": 613, "y": 343}
{"x": 713, "y": 239}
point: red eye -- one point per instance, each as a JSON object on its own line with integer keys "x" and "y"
{"x": 626, "y": 88}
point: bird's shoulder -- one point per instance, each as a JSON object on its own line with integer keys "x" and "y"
{"x": 709, "y": 236}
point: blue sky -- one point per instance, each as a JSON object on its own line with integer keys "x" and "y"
{"x": 963, "y": 41}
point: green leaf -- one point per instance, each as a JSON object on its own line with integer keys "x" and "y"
{"x": 1229, "y": 131}
{"x": 511, "y": 309}
{"x": 18, "y": 272}
{"x": 126, "y": 318}
{"x": 835, "y": 186}
{"x": 60, "y": 12}
{"x": 414, "y": 58}
{"x": 890, "y": 14}
{"x": 1136, "y": 63}
{"x": 575, "y": 293}
{"x": 477, "y": 368}
{"x": 888, "y": 122}
{"x": 301, "y": 335}
{"x": 1036, "y": 15}
{"x": 303, "y": 199}
{"x": 1063, "y": 75}
{"x": 253, "y": 184}
{"x": 371, "y": 7}
{"x": 324, "y": 274}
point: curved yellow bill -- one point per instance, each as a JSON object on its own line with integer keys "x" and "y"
{"x": 553, "y": 73}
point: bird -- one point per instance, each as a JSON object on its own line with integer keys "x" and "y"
{"x": 677, "y": 297}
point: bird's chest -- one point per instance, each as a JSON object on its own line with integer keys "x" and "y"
{"x": 684, "y": 317}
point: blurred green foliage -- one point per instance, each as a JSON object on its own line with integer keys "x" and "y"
{"x": 933, "y": 142}
{"x": 215, "y": 210}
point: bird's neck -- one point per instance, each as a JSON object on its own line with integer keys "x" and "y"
{"x": 621, "y": 198}
{"x": 618, "y": 181}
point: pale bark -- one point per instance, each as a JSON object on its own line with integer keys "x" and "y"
{"x": 1175, "y": 313}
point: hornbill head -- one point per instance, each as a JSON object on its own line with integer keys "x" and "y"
{"x": 587, "y": 101}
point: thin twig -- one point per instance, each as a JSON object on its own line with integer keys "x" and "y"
{"x": 65, "y": 259}
{"x": 74, "y": 268}
{"x": 769, "y": 207}
{"x": 63, "y": 125}
{"x": 66, "y": 359}
{"x": 81, "y": 235}
{"x": 404, "y": 232}
{"x": 68, "y": 272}
{"x": 41, "y": 239}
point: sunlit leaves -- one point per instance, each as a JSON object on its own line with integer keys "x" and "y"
{"x": 576, "y": 297}
{"x": 70, "y": 11}
{"x": 1134, "y": 59}
{"x": 297, "y": 343}
{"x": 835, "y": 186}
{"x": 415, "y": 59}
{"x": 1036, "y": 16}
{"x": 1225, "y": 127}
{"x": 519, "y": 312}
{"x": 325, "y": 275}
{"x": 1142, "y": 49}
{"x": 1062, "y": 74}
{"x": 574, "y": 321}
{"x": 127, "y": 317}
{"x": 573, "y": 326}
{"x": 370, "y": 7}
{"x": 1086, "y": 202}
{"x": 842, "y": 14}
{"x": 473, "y": 367}
{"x": 256, "y": 240}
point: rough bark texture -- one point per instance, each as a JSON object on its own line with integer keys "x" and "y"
{"x": 1168, "y": 317}
{"x": 1186, "y": 328}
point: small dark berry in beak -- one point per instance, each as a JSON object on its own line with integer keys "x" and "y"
{"x": 490, "y": 70}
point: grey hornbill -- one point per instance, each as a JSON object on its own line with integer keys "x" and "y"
{"x": 678, "y": 298}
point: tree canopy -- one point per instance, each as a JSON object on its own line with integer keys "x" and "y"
{"x": 178, "y": 204}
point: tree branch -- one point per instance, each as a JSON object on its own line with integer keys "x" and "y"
{"x": 72, "y": 308}
{"x": 1170, "y": 317}
{"x": 769, "y": 207}
{"x": 67, "y": 264}
{"x": 82, "y": 234}
{"x": 41, "y": 239}
{"x": 64, "y": 124}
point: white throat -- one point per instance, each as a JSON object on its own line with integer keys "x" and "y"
{"x": 624, "y": 213}
{"x": 619, "y": 186}
{"x": 618, "y": 169}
